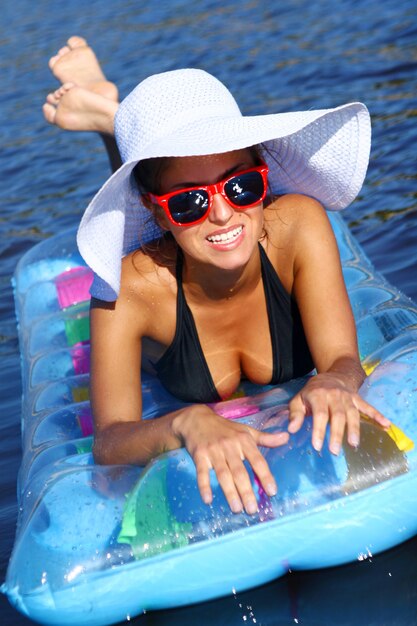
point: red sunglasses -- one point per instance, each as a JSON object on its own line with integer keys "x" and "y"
{"x": 191, "y": 205}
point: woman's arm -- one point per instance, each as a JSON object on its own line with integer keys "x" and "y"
{"x": 331, "y": 396}
{"x": 120, "y": 434}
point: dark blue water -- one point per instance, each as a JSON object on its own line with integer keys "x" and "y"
{"x": 274, "y": 56}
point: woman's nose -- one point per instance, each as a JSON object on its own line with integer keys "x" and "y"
{"x": 221, "y": 211}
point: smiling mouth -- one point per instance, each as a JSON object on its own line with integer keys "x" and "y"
{"x": 231, "y": 235}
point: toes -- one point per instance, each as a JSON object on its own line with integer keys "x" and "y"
{"x": 63, "y": 50}
{"x": 73, "y": 42}
{"x": 53, "y": 60}
{"x": 52, "y": 98}
{"x": 58, "y": 93}
{"x": 57, "y": 56}
{"x": 65, "y": 87}
{"x": 55, "y": 96}
{"x": 49, "y": 112}
{"x": 76, "y": 42}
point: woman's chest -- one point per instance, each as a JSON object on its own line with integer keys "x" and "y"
{"x": 232, "y": 336}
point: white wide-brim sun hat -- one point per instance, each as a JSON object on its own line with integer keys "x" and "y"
{"x": 323, "y": 154}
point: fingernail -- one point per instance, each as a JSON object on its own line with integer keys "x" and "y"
{"x": 251, "y": 507}
{"x": 271, "y": 489}
{"x": 335, "y": 448}
{"x": 353, "y": 440}
{"x": 236, "y": 506}
{"x": 206, "y": 497}
{"x": 317, "y": 444}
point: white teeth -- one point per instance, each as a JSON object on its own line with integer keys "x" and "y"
{"x": 226, "y": 237}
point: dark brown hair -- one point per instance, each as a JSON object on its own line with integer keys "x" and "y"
{"x": 148, "y": 173}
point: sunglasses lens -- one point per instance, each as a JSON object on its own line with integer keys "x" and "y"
{"x": 189, "y": 206}
{"x": 245, "y": 189}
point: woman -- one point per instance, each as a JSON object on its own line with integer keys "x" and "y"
{"x": 214, "y": 262}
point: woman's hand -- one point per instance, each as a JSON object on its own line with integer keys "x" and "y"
{"x": 330, "y": 398}
{"x": 220, "y": 444}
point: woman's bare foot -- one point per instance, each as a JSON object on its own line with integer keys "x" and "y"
{"x": 76, "y": 108}
{"x": 77, "y": 63}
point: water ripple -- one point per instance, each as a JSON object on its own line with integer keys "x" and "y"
{"x": 274, "y": 56}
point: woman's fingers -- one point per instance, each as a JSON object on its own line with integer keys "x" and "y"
{"x": 297, "y": 414}
{"x": 371, "y": 412}
{"x": 203, "y": 466}
{"x": 320, "y": 405}
{"x": 338, "y": 421}
{"x": 327, "y": 403}
{"x": 242, "y": 492}
{"x": 320, "y": 420}
{"x": 226, "y": 457}
{"x": 262, "y": 472}
{"x": 338, "y": 409}
{"x": 233, "y": 479}
{"x": 353, "y": 419}
{"x": 271, "y": 440}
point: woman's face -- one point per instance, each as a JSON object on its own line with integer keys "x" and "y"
{"x": 228, "y": 236}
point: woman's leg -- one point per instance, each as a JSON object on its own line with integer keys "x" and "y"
{"x": 86, "y": 101}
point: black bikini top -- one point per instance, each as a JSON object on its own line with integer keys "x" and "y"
{"x": 183, "y": 369}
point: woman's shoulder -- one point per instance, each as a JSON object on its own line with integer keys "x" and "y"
{"x": 147, "y": 297}
{"x": 288, "y": 216}
{"x": 148, "y": 271}
{"x": 292, "y": 208}
{"x": 292, "y": 223}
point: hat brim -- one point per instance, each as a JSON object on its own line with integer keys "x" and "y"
{"x": 323, "y": 154}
